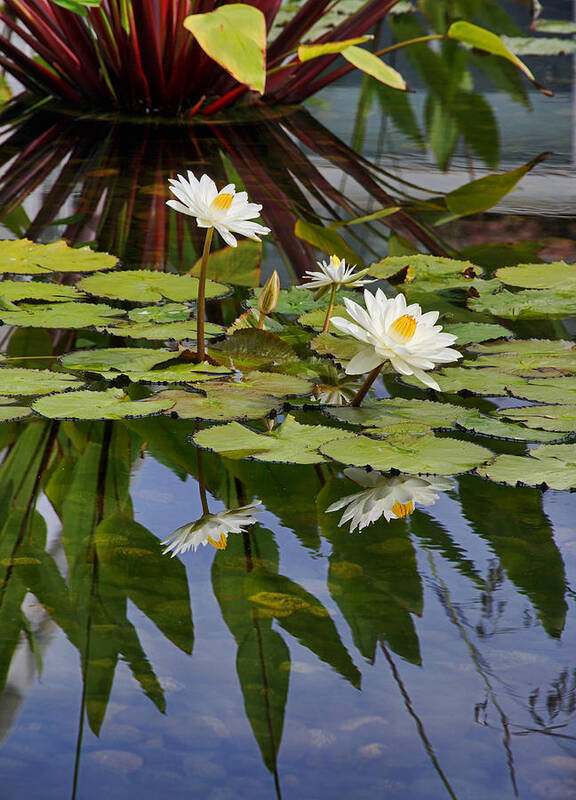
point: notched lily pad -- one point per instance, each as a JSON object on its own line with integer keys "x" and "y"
{"x": 252, "y": 349}
{"x": 526, "y": 304}
{"x": 549, "y": 465}
{"x": 559, "y": 276}
{"x": 14, "y": 291}
{"x": 291, "y": 442}
{"x": 110, "y": 404}
{"x": 178, "y": 331}
{"x": 415, "y": 267}
{"x": 426, "y": 454}
{"x": 390, "y": 411}
{"x": 468, "y": 332}
{"x": 561, "y": 418}
{"x": 341, "y": 348}
{"x": 62, "y": 315}
{"x": 148, "y": 286}
{"x": 21, "y": 381}
{"x": 23, "y": 257}
{"x": 221, "y": 401}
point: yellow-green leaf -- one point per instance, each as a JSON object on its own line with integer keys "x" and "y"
{"x": 235, "y": 37}
{"x": 329, "y": 241}
{"x": 308, "y": 51}
{"x": 372, "y": 65}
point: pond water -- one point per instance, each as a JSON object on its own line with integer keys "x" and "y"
{"x": 426, "y": 657}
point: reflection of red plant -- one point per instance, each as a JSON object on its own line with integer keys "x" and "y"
{"x": 137, "y": 56}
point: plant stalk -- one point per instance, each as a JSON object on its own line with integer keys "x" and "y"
{"x": 363, "y": 390}
{"x": 330, "y": 308}
{"x": 201, "y": 302}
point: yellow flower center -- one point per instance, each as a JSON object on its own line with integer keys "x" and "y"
{"x": 335, "y": 261}
{"x": 402, "y": 509}
{"x": 220, "y": 544}
{"x": 404, "y": 327}
{"x": 222, "y": 201}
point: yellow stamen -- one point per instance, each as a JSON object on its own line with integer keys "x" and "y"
{"x": 223, "y": 201}
{"x": 402, "y": 509}
{"x": 405, "y": 326}
{"x": 335, "y": 261}
{"x": 220, "y": 544}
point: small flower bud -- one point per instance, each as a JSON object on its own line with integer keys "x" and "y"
{"x": 268, "y": 298}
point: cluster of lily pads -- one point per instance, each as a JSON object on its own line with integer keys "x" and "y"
{"x": 279, "y": 392}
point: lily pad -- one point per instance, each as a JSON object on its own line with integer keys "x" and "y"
{"x": 549, "y": 390}
{"x": 560, "y": 276}
{"x": 13, "y": 291}
{"x": 113, "y": 361}
{"x": 527, "y": 347}
{"x": 316, "y": 317}
{"x": 23, "y": 257}
{"x": 221, "y": 401}
{"x": 20, "y": 381}
{"x": 161, "y": 332}
{"x": 170, "y": 312}
{"x": 148, "y": 286}
{"x": 252, "y": 349}
{"x": 423, "y": 266}
{"x": 238, "y": 265}
{"x": 341, "y": 348}
{"x": 390, "y": 411}
{"x": 62, "y": 315}
{"x": 548, "y": 418}
{"x": 291, "y": 442}
{"x": 13, "y": 413}
{"x": 426, "y": 454}
{"x": 110, "y": 404}
{"x": 486, "y": 381}
{"x": 527, "y": 304}
{"x": 549, "y": 465}
{"x": 490, "y": 426}
{"x": 276, "y": 383}
{"x": 468, "y": 332}
{"x": 181, "y": 372}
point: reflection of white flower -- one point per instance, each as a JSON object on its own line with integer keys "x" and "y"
{"x": 390, "y": 497}
{"x": 335, "y": 273}
{"x": 210, "y": 529}
{"x": 399, "y": 333}
{"x": 227, "y": 211}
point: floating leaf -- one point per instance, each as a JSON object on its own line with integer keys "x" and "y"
{"x": 560, "y": 276}
{"x": 291, "y": 442}
{"x": 235, "y": 37}
{"x": 548, "y": 390}
{"x": 13, "y": 413}
{"x": 110, "y": 404}
{"x": 541, "y": 46}
{"x": 23, "y": 257}
{"x": 526, "y": 347}
{"x": 169, "y": 312}
{"x": 251, "y": 348}
{"x": 298, "y": 300}
{"x": 112, "y": 361}
{"x": 317, "y": 317}
{"x": 425, "y": 454}
{"x": 181, "y": 372}
{"x": 276, "y": 383}
{"x": 388, "y": 412}
{"x": 486, "y": 381}
{"x": 423, "y": 267}
{"x": 341, "y": 348}
{"x": 549, "y": 418}
{"x": 162, "y": 332}
{"x": 556, "y": 472}
{"x": 490, "y": 426}
{"x": 62, "y": 315}
{"x": 528, "y": 304}
{"x": 20, "y": 381}
{"x": 221, "y": 401}
{"x": 13, "y": 291}
{"x": 148, "y": 286}
{"x": 468, "y": 332}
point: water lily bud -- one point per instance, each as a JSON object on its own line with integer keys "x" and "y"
{"x": 268, "y": 298}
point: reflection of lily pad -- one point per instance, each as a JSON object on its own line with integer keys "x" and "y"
{"x": 62, "y": 315}
{"x": 20, "y": 381}
{"x": 291, "y": 442}
{"x": 148, "y": 286}
{"x": 221, "y": 401}
{"x": 23, "y": 257}
{"x": 426, "y": 454}
{"x": 110, "y": 404}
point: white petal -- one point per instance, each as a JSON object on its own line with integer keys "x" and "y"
{"x": 364, "y": 361}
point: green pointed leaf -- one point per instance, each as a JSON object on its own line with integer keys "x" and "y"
{"x": 20, "y": 381}
{"x": 148, "y": 286}
{"x": 327, "y": 240}
{"x": 369, "y": 63}
{"x": 24, "y": 257}
{"x": 110, "y": 404}
{"x": 62, "y": 315}
{"x": 291, "y": 442}
{"x": 250, "y": 348}
{"x": 306, "y": 52}
{"x": 559, "y": 276}
{"x": 238, "y": 265}
{"x": 13, "y": 291}
{"x": 234, "y": 36}
{"x": 388, "y": 211}
{"x": 416, "y": 455}
{"x": 220, "y": 401}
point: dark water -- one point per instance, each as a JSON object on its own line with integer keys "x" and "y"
{"x": 428, "y": 657}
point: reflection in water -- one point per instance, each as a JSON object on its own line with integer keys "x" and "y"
{"x": 210, "y": 529}
{"x": 388, "y": 496}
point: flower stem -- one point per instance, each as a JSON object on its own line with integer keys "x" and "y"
{"x": 261, "y": 321}
{"x": 330, "y": 308}
{"x": 201, "y": 302}
{"x": 363, "y": 390}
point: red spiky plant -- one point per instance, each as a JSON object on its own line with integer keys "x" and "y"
{"x": 136, "y": 55}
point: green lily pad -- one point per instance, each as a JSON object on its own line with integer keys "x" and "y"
{"x": 560, "y": 391}
{"x": 13, "y": 291}
{"x": 181, "y": 372}
{"x": 221, "y": 401}
{"x": 113, "y": 361}
{"x": 238, "y": 265}
{"x": 486, "y": 381}
{"x": 276, "y": 383}
{"x": 468, "y": 332}
{"x": 162, "y": 332}
{"x": 317, "y": 317}
{"x": 526, "y": 347}
{"x": 148, "y": 286}
{"x": 62, "y": 315}
{"x": 417, "y": 455}
{"x": 13, "y": 413}
{"x": 527, "y": 304}
{"x": 489, "y": 426}
{"x": 423, "y": 266}
{"x": 252, "y": 349}
{"x": 390, "y": 411}
{"x": 549, "y": 465}
{"x": 559, "y": 276}
{"x": 291, "y": 442}
{"x": 20, "y": 381}
{"x": 23, "y": 257}
{"x": 298, "y": 300}
{"x": 110, "y": 404}
{"x": 548, "y": 418}
{"x": 341, "y": 348}
{"x": 170, "y": 312}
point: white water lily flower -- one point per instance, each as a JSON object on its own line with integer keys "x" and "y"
{"x": 402, "y": 334}
{"x": 390, "y": 497}
{"x": 227, "y": 210}
{"x": 211, "y": 529}
{"x": 335, "y": 273}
